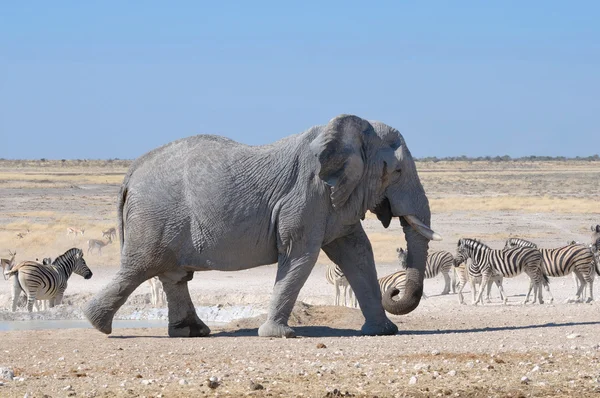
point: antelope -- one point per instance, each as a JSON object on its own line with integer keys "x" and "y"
{"x": 7, "y": 264}
{"x": 110, "y": 233}
{"x": 97, "y": 244}
{"x": 75, "y": 231}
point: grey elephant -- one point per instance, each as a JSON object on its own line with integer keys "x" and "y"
{"x": 209, "y": 203}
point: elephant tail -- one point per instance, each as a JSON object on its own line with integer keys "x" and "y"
{"x": 120, "y": 208}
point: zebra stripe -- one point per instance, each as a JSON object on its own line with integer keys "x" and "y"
{"x": 486, "y": 262}
{"x": 48, "y": 282}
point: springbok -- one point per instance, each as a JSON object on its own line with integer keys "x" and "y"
{"x": 75, "y": 231}
{"x": 110, "y": 233}
{"x": 97, "y": 244}
{"x": 7, "y": 264}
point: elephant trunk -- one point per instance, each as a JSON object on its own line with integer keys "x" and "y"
{"x": 415, "y": 273}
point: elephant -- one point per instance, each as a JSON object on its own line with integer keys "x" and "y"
{"x": 209, "y": 203}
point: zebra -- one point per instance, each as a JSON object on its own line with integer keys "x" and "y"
{"x": 596, "y": 238}
{"x": 109, "y": 233}
{"x": 437, "y": 262}
{"x": 460, "y": 273}
{"x": 157, "y": 292}
{"x": 486, "y": 262}
{"x": 97, "y": 244}
{"x": 576, "y": 258}
{"x": 336, "y": 277}
{"x": 7, "y": 264}
{"x": 48, "y": 282}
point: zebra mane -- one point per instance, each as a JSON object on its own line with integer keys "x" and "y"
{"x": 68, "y": 254}
{"x": 471, "y": 243}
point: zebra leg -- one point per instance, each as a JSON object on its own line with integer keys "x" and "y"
{"x": 591, "y": 286}
{"x": 461, "y": 298}
{"x": 501, "y": 289}
{"x": 447, "y": 283}
{"x": 453, "y": 280}
{"x": 581, "y": 287}
{"x": 484, "y": 281}
{"x": 30, "y": 302}
{"x": 16, "y": 292}
{"x": 473, "y": 291}
{"x": 547, "y": 287}
{"x": 488, "y": 298}
{"x": 337, "y": 292}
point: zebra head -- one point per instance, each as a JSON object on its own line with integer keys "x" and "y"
{"x": 73, "y": 258}
{"x": 402, "y": 254}
{"x": 470, "y": 248}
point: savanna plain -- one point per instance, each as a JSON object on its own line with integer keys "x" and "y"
{"x": 443, "y": 348}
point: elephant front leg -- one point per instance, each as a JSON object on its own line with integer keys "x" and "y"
{"x": 354, "y": 256}
{"x": 183, "y": 320}
{"x": 292, "y": 273}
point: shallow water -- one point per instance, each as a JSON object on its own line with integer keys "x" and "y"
{"x": 40, "y": 324}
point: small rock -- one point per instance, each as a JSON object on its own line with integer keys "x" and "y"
{"x": 452, "y": 373}
{"x": 413, "y": 380}
{"x": 256, "y": 386}
{"x": 525, "y": 380}
{"x": 75, "y": 351}
{"x": 7, "y": 373}
{"x": 435, "y": 352}
{"x": 71, "y": 394}
{"x": 61, "y": 358}
{"x": 536, "y": 368}
{"x": 470, "y": 364}
{"x": 146, "y": 382}
{"x": 421, "y": 367}
{"x": 436, "y": 374}
{"x": 1, "y": 384}
{"x": 68, "y": 388}
{"x": 213, "y": 382}
{"x": 573, "y": 335}
{"x": 321, "y": 345}
{"x": 183, "y": 382}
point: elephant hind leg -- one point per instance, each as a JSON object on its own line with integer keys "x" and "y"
{"x": 101, "y": 309}
{"x": 183, "y": 320}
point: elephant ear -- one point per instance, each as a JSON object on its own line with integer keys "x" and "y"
{"x": 340, "y": 149}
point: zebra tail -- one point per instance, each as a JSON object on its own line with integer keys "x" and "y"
{"x": 546, "y": 280}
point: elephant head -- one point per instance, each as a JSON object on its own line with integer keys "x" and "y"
{"x": 369, "y": 167}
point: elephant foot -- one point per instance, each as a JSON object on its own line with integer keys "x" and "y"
{"x": 100, "y": 317}
{"x": 589, "y": 300}
{"x": 274, "y": 329}
{"x": 386, "y": 328}
{"x": 445, "y": 293}
{"x": 191, "y": 326}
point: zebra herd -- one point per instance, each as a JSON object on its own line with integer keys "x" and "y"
{"x": 477, "y": 263}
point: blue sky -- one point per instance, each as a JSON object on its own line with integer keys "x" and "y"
{"x": 116, "y": 79}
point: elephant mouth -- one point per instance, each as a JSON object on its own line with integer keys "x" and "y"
{"x": 383, "y": 211}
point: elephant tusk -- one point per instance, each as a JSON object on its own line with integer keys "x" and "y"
{"x": 422, "y": 228}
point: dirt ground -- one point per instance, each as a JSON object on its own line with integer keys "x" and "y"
{"x": 443, "y": 348}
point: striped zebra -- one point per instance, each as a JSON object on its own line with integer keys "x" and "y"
{"x": 438, "y": 262}
{"x": 576, "y": 258}
{"x": 460, "y": 271}
{"x": 336, "y": 277}
{"x": 48, "y": 282}
{"x": 486, "y": 262}
{"x": 596, "y": 239}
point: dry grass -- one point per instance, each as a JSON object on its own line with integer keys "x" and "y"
{"x": 521, "y": 203}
